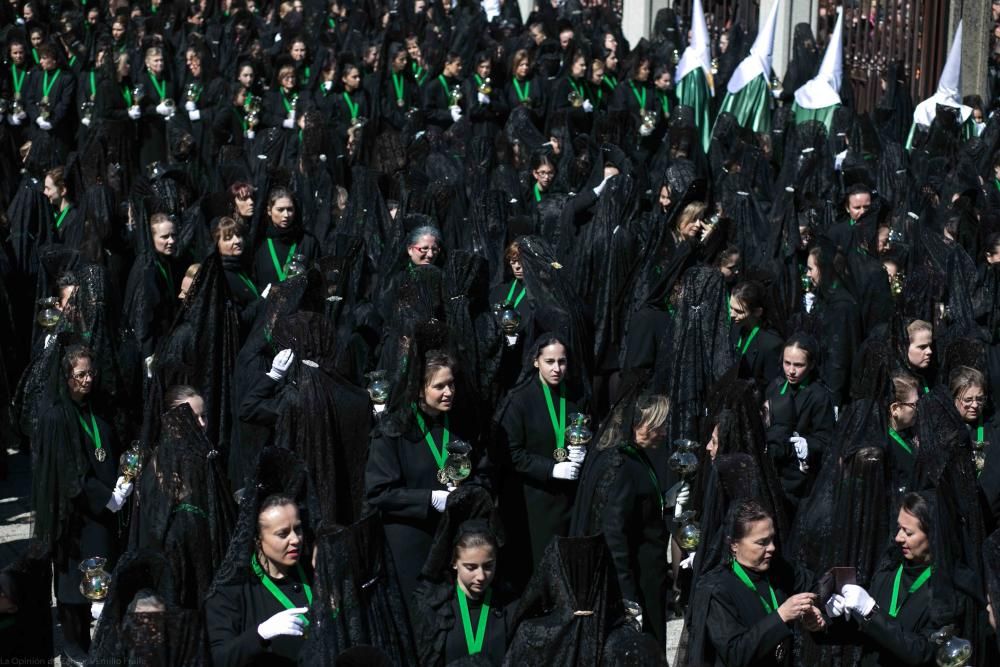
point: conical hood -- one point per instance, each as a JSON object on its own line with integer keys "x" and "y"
{"x": 823, "y": 90}
{"x": 949, "y": 90}
{"x": 759, "y": 60}
{"x": 699, "y": 51}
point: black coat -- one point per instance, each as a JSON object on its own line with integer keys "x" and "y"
{"x": 808, "y": 411}
{"x": 536, "y": 507}
{"x": 399, "y": 478}
{"x": 61, "y": 104}
{"x": 264, "y": 271}
{"x": 731, "y": 627}
{"x": 437, "y": 102}
{"x": 621, "y": 497}
{"x": 438, "y": 628}
{"x": 232, "y": 615}
{"x": 393, "y": 114}
{"x": 761, "y": 362}
{"x": 153, "y": 126}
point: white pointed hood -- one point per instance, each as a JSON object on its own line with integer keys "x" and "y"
{"x": 949, "y": 90}
{"x": 759, "y": 60}
{"x": 823, "y": 90}
{"x": 699, "y": 51}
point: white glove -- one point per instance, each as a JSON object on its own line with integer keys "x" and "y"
{"x": 587, "y": 106}
{"x": 134, "y": 112}
{"x": 280, "y": 364}
{"x": 84, "y": 120}
{"x": 809, "y": 299}
{"x": 687, "y": 562}
{"x": 600, "y": 187}
{"x": 683, "y": 495}
{"x": 264, "y": 292}
{"x": 645, "y": 130}
{"x": 251, "y": 134}
{"x": 483, "y": 98}
{"x": 857, "y": 600}
{"x": 835, "y": 606}
{"x": 148, "y": 363}
{"x": 194, "y": 114}
{"x": 576, "y": 453}
{"x": 119, "y": 495}
{"x": 190, "y": 106}
{"x": 288, "y": 123}
{"x": 511, "y": 340}
{"x": 162, "y": 109}
{"x": 456, "y": 113}
{"x": 15, "y": 119}
{"x": 95, "y": 610}
{"x": 566, "y": 470}
{"x": 439, "y": 499}
{"x": 44, "y": 124}
{"x": 288, "y": 622}
{"x": 801, "y": 446}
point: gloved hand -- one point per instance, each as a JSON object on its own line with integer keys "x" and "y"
{"x": 148, "y": 363}
{"x": 683, "y": 495}
{"x": 645, "y": 130}
{"x": 16, "y": 119}
{"x": 576, "y": 453}
{"x": 587, "y": 106}
{"x": 835, "y": 606}
{"x": 194, "y": 114}
{"x": 280, "y": 364}
{"x": 801, "y": 446}
{"x": 688, "y": 561}
{"x": 163, "y": 109}
{"x": 600, "y": 187}
{"x": 44, "y": 124}
{"x": 251, "y": 134}
{"x": 456, "y": 113}
{"x": 288, "y": 123}
{"x": 285, "y": 623}
{"x": 439, "y": 499}
{"x": 809, "y": 299}
{"x": 95, "y": 610}
{"x": 119, "y": 495}
{"x": 190, "y": 106}
{"x": 264, "y": 292}
{"x": 84, "y": 120}
{"x": 134, "y": 112}
{"x": 857, "y": 600}
{"x": 483, "y": 99}
{"x": 566, "y": 470}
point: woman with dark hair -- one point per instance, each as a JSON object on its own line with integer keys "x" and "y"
{"x": 49, "y": 100}
{"x": 353, "y": 107}
{"x": 636, "y": 96}
{"x": 405, "y": 477}
{"x": 261, "y": 620}
{"x": 441, "y": 108}
{"x": 482, "y": 101}
{"x": 229, "y": 236}
{"x": 836, "y": 322}
{"x": 743, "y": 610}
{"x": 462, "y": 611}
{"x": 543, "y": 174}
{"x": 757, "y": 344}
{"x": 542, "y": 467}
{"x": 241, "y": 196}
{"x": 285, "y": 240}
{"x": 298, "y": 51}
{"x": 895, "y": 620}
{"x": 76, "y": 490}
{"x": 572, "y": 94}
{"x": 400, "y": 93}
{"x": 67, "y": 222}
{"x": 801, "y": 415}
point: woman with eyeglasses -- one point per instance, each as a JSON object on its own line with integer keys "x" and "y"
{"x": 424, "y": 246}
{"x": 76, "y": 489}
{"x": 543, "y": 175}
{"x": 968, "y": 388}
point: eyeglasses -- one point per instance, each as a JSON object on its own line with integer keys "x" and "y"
{"x": 968, "y": 401}
{"x": 80, "y": 375}
{"x": 426, "y": 250}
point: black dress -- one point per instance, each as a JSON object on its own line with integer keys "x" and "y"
{"x": 55, "y": 90}
{"x": 621, "y": 497}
{"x": 439, "y": 631}
{"x": 399, "y": 477}
{"x": 153, "y": 126}
{"x": 233, "y": 613}
{"x": 536, "y": 507}
{"x": 760, "y": 353}
{"x": 730, "y": 625}
{"x": 277, "y": 250}
{"x": 437, "y": 101}
{"x": 901, "y": 455}
{"x": 901, "y": 640}
{"x": 806, "y": 409}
